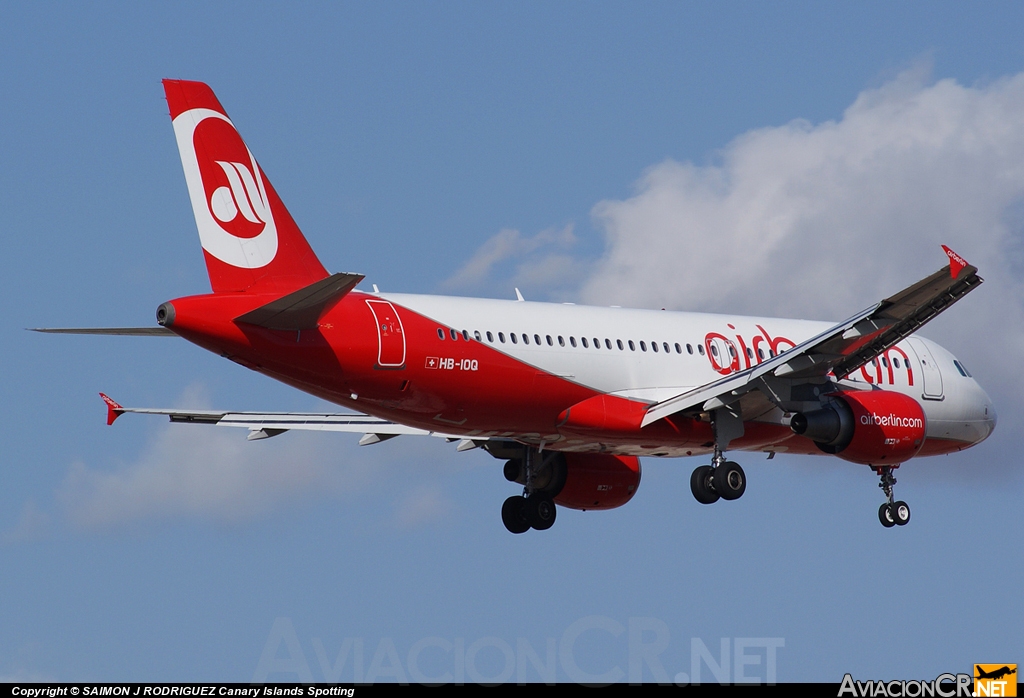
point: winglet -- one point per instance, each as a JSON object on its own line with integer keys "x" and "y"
{"x": 114, "y": 410}
{"x": 956, "y": 262}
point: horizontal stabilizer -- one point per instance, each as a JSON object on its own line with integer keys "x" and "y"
{"x": 302, "y": 309}
{"x": 120, "y": 331}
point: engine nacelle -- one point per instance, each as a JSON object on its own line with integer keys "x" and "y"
{"x": 872, "y": 427}
{"x": 598, "y": 481}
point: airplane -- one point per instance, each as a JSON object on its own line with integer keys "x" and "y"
{"x": 995, "y": 674}
{"x": 569, "y": 396}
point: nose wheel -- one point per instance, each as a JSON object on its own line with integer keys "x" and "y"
{"x": 891, "y": 513}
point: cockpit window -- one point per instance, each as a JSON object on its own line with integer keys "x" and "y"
{"x": 960, "y": 367}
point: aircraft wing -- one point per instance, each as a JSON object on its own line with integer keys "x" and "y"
{"x": 839, "y": 350}
{"x": 262, "y": 425}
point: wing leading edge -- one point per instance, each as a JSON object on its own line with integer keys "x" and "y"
{"x": 839, "y": 350}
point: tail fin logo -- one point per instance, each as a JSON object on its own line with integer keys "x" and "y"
{"x": 227, "y": 190}
{"x": 241, "y": 196}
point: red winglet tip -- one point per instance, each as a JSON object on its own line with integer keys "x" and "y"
{"x": 956, "y": 262}
{"x": 114, "y": 410}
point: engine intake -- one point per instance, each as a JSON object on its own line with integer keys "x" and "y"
{"x": 832, "y": 427}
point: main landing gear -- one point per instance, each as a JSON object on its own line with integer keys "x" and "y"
{"x": 723, "y": 479}
{"x": 520, "y": 514}
{"x": 542, "y": 476}
{"x": 891, "y": 513}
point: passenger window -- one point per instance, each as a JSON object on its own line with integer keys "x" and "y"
{"x": 490, "y": 337}
{"x": 732, "y": 351}
{"x": 750, "y": 353}
{"x": 607, "y": 343}
{"x": 550, "y": 343}
{"x": 760, "y": 353}
{"x": 526, "y": 338}
{"x": 561, "y": 341}
{"x": 664, "y": 345}
{"x": 895, "y": 362}
{"x": 700, "y": 349}
{"x": 632, "y": 347}
{"x": 465, "y": 335}
{"x": 501, "y": 337}
{"x": 572, "y": 341}
{"x": 584, "y": 340}
{"x": 654, "y": 347}
{"x": 885, "y": 362}
{"x": 476, "y": 334}
{"x": 714, "y": 351}
{"x": 536, "y": 339}
{"x": 597, "y": 343}
{"x": 454, "y": 333}
{"x": 512, "y": 336}
{"x": 689, "y": 348}
{"x": 643, "y": 347}
{"x": 619, "y": 343}
{"x": 440, "y": 333}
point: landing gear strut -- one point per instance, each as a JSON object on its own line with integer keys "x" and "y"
{"x": 891, "y": 513}
{"x": 722, "y": 479}
{"x": 542, "y": 481}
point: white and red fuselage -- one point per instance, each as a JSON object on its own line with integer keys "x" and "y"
{"x": 495, "y": 368}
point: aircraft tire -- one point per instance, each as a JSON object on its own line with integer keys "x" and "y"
{"x": 540, "y": 512}
{"x": 699, "y": 485}
{"x": 512, "y": 469}
{"x": 512, "y": 514}
{"x": 885, "y": 516}
{"x": 730, "y": 481}
{"x": 901, "y": 513}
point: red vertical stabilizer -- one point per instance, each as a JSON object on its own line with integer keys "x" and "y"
{"x": 249, "y": 239}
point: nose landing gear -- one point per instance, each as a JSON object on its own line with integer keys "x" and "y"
{"x": 891, "y": 513}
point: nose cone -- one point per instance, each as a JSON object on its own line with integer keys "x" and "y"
{"x": 990, "y": 414}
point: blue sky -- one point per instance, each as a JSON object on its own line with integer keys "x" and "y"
{"x": 595, "y": 152}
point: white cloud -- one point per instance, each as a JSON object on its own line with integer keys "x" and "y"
{"x": 423, "y": 505}
{"x": 509, "y": 259}
{"x": 820, "y": 220}
{"x": 33, "y": 524}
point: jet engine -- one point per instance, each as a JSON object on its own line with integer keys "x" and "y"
{"x": 598, "y": 481}
{"x": 873, "y": 427}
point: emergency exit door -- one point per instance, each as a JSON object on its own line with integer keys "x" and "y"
{"x": 390, "y": 335}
